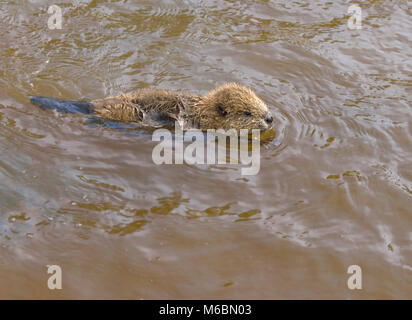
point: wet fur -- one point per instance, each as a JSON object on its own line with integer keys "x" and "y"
{"x": 231, "y": 106}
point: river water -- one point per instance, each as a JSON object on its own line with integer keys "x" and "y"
{"x": 334, "y": 187}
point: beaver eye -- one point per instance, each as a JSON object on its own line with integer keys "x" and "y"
{"x": 221, "y": 109}
{"x": 247, "y": 114}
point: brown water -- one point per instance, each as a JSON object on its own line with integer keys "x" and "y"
{"x": 334, "y": 188}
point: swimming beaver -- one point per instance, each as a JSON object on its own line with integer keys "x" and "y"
{"x": 230, "y": 106}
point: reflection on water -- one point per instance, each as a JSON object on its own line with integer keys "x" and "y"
{"x": 335, "y": 183}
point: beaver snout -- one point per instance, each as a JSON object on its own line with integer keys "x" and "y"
{"x": 269, "y": 118}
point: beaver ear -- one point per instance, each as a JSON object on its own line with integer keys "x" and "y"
{"x": 221, "y": 109}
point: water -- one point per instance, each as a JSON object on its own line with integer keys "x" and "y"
{"x": 334, "y": 187}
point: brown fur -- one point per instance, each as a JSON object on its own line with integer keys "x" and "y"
{"x": 230, "y": 106}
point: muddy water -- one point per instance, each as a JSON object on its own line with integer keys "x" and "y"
{"x": 335, "y": 184}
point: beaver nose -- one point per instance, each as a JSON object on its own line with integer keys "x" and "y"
{"x": 269, "y": 119}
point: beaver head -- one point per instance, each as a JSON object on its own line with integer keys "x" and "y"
{"x": 232, "y": 106}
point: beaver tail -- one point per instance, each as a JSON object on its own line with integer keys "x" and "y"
{"x": 64, "y": 106}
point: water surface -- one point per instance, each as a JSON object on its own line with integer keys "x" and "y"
{"x": 334, "y": 188}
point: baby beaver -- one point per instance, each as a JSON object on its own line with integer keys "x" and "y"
{"x": 230, "y": 106}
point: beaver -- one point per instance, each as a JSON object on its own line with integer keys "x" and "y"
{"x": 230, "y": 106}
